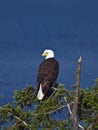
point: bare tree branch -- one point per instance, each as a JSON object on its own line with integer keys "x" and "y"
{"x": 76, "y": 100}
{"x": 90, "y": 126}
{"x": 68, "y": 106}
{"x": 70, "y": 112}
{"x": 56, "y": 109}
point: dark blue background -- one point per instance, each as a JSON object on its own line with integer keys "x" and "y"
{"x": 27, "y": 27}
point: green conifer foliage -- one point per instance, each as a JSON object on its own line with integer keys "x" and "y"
{"x": 27, "y": 113}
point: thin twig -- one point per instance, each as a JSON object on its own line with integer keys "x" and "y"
{"x": 81, "y": 127}
{"x": 52, "y": 94}
{"x": 56, "y": 109}
{"x": 90, "y": 126}
{"x": 68, "y": 106}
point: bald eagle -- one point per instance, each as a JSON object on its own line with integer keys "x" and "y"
{"x": 47, "y": 74}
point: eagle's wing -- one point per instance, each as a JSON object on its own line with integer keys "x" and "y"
{"x": 47, "y": 73}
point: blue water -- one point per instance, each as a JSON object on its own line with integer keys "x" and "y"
{"x": 68, "y": 27}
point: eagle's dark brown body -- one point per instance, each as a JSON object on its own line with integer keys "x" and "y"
{"x": 47, "y": 74}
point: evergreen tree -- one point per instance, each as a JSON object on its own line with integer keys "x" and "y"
{"x": 27, "y": 113}
{"x": 63, "y": 110}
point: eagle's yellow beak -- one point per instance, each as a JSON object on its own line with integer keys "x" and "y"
{"x": 44, "y": 54}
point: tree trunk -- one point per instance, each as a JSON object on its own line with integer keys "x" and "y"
{"x": 76, "y": 100}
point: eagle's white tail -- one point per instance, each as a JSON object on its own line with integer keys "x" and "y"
{"x": 40, "y": 94}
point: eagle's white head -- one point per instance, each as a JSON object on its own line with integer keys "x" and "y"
{"x": 48, "y": 54}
